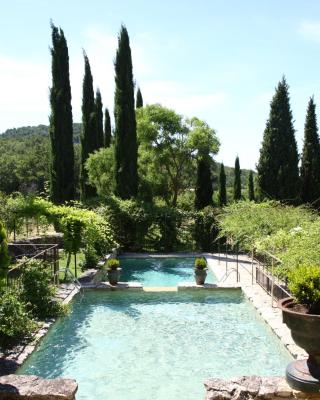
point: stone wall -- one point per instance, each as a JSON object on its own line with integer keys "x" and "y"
{"x": 30, "y": 387}
{"x": 253, "y": 387}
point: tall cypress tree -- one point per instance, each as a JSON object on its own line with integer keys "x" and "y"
{"x": 98, "y": 115}
{"x": 310, "y": 162}
{"x": 222, "y": 194}
{"x": 250, "y": 187}
{"x": 126, "y": 149}
{"x": 237, "y": 180}
{"x": 278, "y": 175}
{"x": 62, "y": 181}
{"x": 88, "y": 133}
{"x": 204, "y": 190}
{"x": 107, "y": 128}
{"x": 139, "y": 100}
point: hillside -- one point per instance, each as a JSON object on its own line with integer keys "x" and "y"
{"x": 25, "y": 153}
{"x": 40, "y": 130}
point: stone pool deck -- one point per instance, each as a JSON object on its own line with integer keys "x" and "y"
{"x": 257, "y": 296}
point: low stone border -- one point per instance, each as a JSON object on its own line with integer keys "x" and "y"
{"x": 31, "y": 387}
{"x": 206, "y": 286}
{"x": 118, "y": 286}
{"x": 254, "y": 388}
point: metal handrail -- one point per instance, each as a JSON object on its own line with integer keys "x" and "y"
{"x": 228, "y": 273}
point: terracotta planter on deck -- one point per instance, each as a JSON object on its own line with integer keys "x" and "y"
{"x": 114, "y": 276}
{"x": 303, "y": 375}
{"x": 200, "y": 275}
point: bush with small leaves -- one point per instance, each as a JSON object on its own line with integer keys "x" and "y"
{"x": 15, "y": 320}
{"x": 113, "y": 264}
{"x": 304, "y": 284}
{"x": 200, "y": 263}
{"x": 38, "y": 291}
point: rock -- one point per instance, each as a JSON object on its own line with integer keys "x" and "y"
{"x": 31, "y": 387}
{"x": 254, "y": 388}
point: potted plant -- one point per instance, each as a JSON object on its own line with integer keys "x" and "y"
{"x": 301, "y": 313}
{"x": 113, "y": 270}
{"x": 200, "y": 270}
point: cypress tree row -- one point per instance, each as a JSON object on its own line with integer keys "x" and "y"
{"x": 98, "y": 115}
{"x": 204, "y": 190}
{"x": 107, "y": 128}
{"x": 139, "y": 101}
{"x": 126, "y": 149}
{"x": 88, "y": 132}
{"x": 62, "y": 186}
{"x": 310, "y": 162}
{"x": 237, "y": 180}
{"x": 278, "y": 175}
{"x": 251, "y": 187}
{"x": 222, "y": 194}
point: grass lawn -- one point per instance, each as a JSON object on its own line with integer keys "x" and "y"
{"x": 63, "y": 263}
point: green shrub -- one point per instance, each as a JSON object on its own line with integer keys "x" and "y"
{"x": 304, "y": 284}
{"x": 38, "y": 292}
{"x": 200, "y": 263}
{"x": 91, "y": 257}
{"x": 113, "y": 264}
{"x": 4, "y": 257}
{"x": 205, "y": 229}
{"x": 15, "y": 321}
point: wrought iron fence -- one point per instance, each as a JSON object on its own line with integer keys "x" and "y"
{"x": 23, "y": 253}
{"x": 265, "y": 265}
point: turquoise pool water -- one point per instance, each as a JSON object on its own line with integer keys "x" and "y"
{"x": 159, "y": 346}
{"x": 160, "y": 271}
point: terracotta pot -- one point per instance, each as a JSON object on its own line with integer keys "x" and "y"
{"x": 305, "y": 330}
{"x": 114, "y": 276}
{"x": 200, "y": 275}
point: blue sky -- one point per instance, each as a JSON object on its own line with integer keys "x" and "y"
{"x": 217, "y": 60}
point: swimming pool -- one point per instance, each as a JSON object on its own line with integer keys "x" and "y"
{"x": 160, "y": 271}
{"x": 143, "y": 345}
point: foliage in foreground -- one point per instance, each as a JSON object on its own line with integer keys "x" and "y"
{"x": 15, "y": 320}
{"x": 304, "y": 284}
{"x": 37, "y": 291}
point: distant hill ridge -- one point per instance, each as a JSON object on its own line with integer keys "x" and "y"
{"x": 40, "y": 130}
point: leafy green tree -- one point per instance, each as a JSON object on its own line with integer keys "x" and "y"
{"x": 168, "y": 148}
{"x": 98, "y": 116}
{"x": 222, "y": 194}
{"x": 139, "y": 100}
{"x": 126, "y": 147}
{"x": 88, "y": 133}
{"x": 62, "y": 185}
{"x": 278, "y": 175}
{"x": 100, "y": 167}
{"x": 107, "y": 128}
{"x": 310, "y": 162}
{"x": 237, "y": 180}
{"x": 251, "y": 196}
